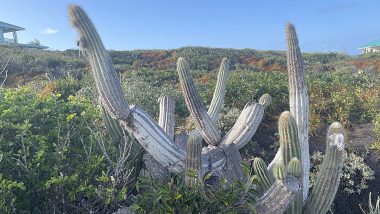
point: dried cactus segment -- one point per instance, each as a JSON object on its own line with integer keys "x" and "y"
{"x": 107, "y": 83}
{"x": 245, "y": 126}
{"x": 213, "y": 160}
{"x": 265, "y": 100}
{"x": 260, "y": 168}
{"x": 279, "y": 197}
{"x": 193, "y": 162}
{"x": 328, "y": 176}
{"x": 154, "y": 140}
{"x": 298, "y": 100}
{"x": 166, "y": 116}
{"x": 195, "y": 104}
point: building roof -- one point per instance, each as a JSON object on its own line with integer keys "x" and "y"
{"x": 371, "y": 44}
{"x": 9, "y": 27}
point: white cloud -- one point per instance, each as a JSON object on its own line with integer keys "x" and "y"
{"x": 50, "y": 31}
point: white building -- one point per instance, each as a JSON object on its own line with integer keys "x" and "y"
{"x": 6, "y": 28}
{"x": 371, "y": 47}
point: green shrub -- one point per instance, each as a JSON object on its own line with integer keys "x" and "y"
{"x": 53, "y": 147}
{"x": 176, "y": 197}
{"x": 355, "y": 174}
{"x": 7, "y": 196}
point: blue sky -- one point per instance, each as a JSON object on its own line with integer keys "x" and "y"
{"x": 324, "y": 25}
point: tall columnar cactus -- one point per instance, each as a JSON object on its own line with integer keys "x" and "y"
{"x": 221, "y": 157}
{"x": 298, "y": 100}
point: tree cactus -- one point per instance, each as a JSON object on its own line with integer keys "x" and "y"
{"x": 221, "y": 156}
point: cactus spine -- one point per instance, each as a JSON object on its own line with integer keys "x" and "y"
{"x": 193, "y": 162}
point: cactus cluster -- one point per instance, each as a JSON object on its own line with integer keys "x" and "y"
{"x": 284, "y": 183}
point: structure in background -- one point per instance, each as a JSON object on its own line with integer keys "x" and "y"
{"x": 9, "y": 28}
{"x": 371, "y": 47}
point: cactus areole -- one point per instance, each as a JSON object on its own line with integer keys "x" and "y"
{"x": 282, "y": 180}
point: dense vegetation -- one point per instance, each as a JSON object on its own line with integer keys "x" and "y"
{"x": 55, "y": 155}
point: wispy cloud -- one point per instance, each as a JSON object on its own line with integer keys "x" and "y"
{"x": 49, "y": 31}
{"x": 336, "y": 7}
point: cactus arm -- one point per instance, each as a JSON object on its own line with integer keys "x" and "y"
{"x": 218, "y": 97}
{"x": 298, "y": 100}
{"x": 193, "y": 161}
{"x": 265, "y": 100}
{"x": 290, "y": 149}
{"x": 219, "y": 92}
{"x": 107, "y": 83}
{"x": 195, "y": 104}
{"x": 154, "y": 140}
{"x": 260, "y": 168}
{"x": 328, "y": 176}
{"x": 245, "y": 126}
{"x": 166, "y": 116}
{"x": 279, "y": 197}
{"x": 247, "y": 123}
{"x": 289, "y": 143}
